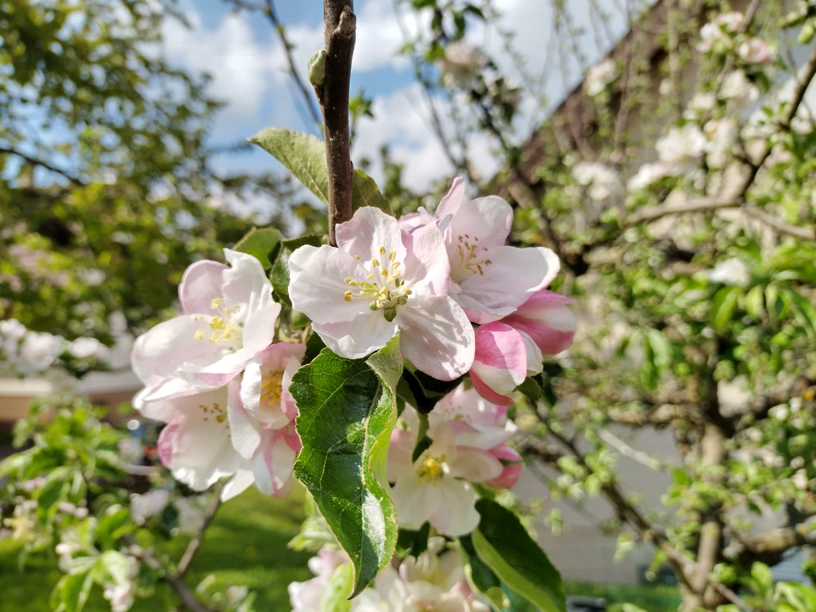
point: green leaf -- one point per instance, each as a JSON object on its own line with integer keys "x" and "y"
{"x": 302, "y": 154}
{"x": 423, "y": 441}
{"x": 481, "y": 575}
{"x": 364, "y": 192}
{"x": 335, "y": 596}
{"x": 422, "y": 391}
{"x": 114, "y": 525}
{"x": 305, "y": 157}
{"x": 74, "y": 590}
{"x": 280, "y": 269}
{"x": 506, "y": 548}
{"x": 261, "y": 244}
{"x": 347, "y": 411}
{"x": 755, "y": 302}
{"x": 723, "y": 306}
{"x": 661, "y": 348}
{"x": 414, "y": 543}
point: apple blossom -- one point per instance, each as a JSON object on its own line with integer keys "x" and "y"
{"x": 378, "y": 281}
{"x": 190, "y": 514}
{"x": 387, "y": 594}
{"x": 148, "y": 504}
{"x": 547, "y": 320}
{"x": 85, "y": 348}
{"x": 599, "y": 76}
{"x": 265, "y": 384}
{"x": 228, "y": 318}
{"x": 435, "y": 488}
{"x": 682, "y": 148}
{"x": 722, "y": 134}
{"x": 306, "y": 596}
{"x": 511, "y": 461}
{"x": 731, "y": 272}
{"x": 476, "y": 422}
{"x": 648, "y": 173}
{"x": 489, "y": 280}
{"x": 461, "y": 62}
{"x": 603, "y": 182}
{"x": 500, "y": 364}
{"x": 739, "y": 90}
{"x": 755, "y": 51}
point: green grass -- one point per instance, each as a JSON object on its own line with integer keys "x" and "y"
{"x": 650, "y": 598}
{"x": 246, "y": 545}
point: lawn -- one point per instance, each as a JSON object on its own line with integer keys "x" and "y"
{"x": 246, "y": 545}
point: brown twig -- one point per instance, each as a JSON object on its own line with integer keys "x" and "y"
{"x": 38, "y": 162}
{"x": 340, "y": 27}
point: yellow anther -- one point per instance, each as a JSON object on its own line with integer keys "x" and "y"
{"x": 357, "y": 257}
{"x": 431, "y": 468}
{"x": 347, "y": 280}
{"x": 199, "y": 335}
{"x": 395, "y": 265}
{"x": 382, "y": 250}
{"x": 375, "y": 262}
{"x": 347, "y": 295}
{"x": 271, "y": 387}
{"x": 221, "y": 417}
{"x": 384, "y": 272}
{"x": 370, "y": 276}
{"x": 392, "y": 255}
{"x": 407, "y": 291}
{"x": 216, "y": 303}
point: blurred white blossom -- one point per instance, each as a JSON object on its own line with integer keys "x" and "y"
{"x": 732, "y": 272}
{"x": 599, "y": 76}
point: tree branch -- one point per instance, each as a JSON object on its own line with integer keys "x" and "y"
{"x": 779, "y": 225}
{"x": 37, "y": 162}
{"x": 340, "y": 27}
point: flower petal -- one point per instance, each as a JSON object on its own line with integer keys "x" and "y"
{"x": 484, "y": 221}
{"x": 246, "y": 282}
{"x": 245, "y": 431}
{"x": 239, "y": 483}
{"x": 474, "y": 465}
{"x": 501, "y": 357}
{"x": 201, "y": 283}
{"x": 546, "y": 319}
{"x": 427, "y": 269}
{"x": 456, "y": 514}
{"x": 367, "y": 231}
{"x": 437, "y": 337}
{"x": 317, "y": 286}
{"x": 450, "y": 204}
{"x": 511, "y": 278}
{"x": 359, "y": 337}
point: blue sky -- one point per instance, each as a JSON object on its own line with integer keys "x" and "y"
{"x": 247, "y": 64}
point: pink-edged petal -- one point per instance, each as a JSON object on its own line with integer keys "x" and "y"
{"x": 436, "y": 337}
{"x": 246, "y": 282}
{"x": 452, "y": 201}
{"x": 535, "y": 360}
{"x": 412, "y": 221}
{"x": 359, "y": 337}
{"x": 489, "y": 394}
{"x": 155, "y": 402}
{"x": 547, "y": 320}
{"x": 239, "y": 483}
{"x": 158, "y": 353}
{"x": 427, "y": 269}
{"x": 367, "y": 231}
{"x": 287, "y": 403}
{"x": 317, "y": 286}
{"x": 259, "y": 329}
{"x": 273, "y": 465}
{"x": 201, "y": 283}
{"x": 484, "y": 222}
{"x": 474, "y": 465}
{"x": 456, "y": 514}
{"x": 511, "y": 278}
{"x": 245, "y": 431}
{"x": 501, "y": 357}
{"x": 512, "y": 470}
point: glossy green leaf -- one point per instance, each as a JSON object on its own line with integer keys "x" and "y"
{"x": 280, "y": 269}
{"x": 347, "y": 411}
{"x": 423, "y": 392}
{"x": 302, "y": 154}
{"x": 755, "y": 302}
{"x": 73, "y": 591}
{"x": 503, "y": 544}
{"x": 261, "y": 244}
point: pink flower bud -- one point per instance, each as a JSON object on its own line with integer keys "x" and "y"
{"x": 546, "y": 318}
{"x": 511, "y": 472}
{"x": 500, "y": 364}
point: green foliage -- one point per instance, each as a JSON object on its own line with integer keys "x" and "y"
{"x": 503, "y": 544}
{"x": 347, "y": 410}
{"x": 261, "y": 244}
{"x": 280, "y": 268}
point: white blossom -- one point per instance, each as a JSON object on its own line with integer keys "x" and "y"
{"x": 682, "y": 148}
{"x": 739, "y": 90}
{"x": 599, "y": 76}
{"x": 602, "y": 181}
{"x": 732, "y": 272}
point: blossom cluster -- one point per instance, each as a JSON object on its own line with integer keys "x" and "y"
{"x": 218, "y": 380}
{"x": 433, "y": 580}
{"x": 27, "y": 353}
{"x": 431, "y": 277}
{"x": 468, "y": 445}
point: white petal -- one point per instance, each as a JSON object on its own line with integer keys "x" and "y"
{"x": 450, "y": 204}
{"x": 367, "y": 231}
{"x": 242, "y": 480}
{"x": 427, "y": 269}
{"x": 246, "y": 282}
{"x": 201, "y": 283}
{"x": 359, "y": 337}
{"x": 244, "y": 429}
{"x": 485, "y": 222}
{"x": 474, "y": 465}
{"x": 317, "y": 286}
{"x": 457, "y": 513}
{"x": 436, "y": 337}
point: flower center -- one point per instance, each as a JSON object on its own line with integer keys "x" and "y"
{"x": 272, "y": 387}
{"x": 225, "y": 328}
{"x": 431, "y": 468}
{"x": 214, "y": 411}
{"x": 468, "y": 261}
{"x": 382, "y": 287}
